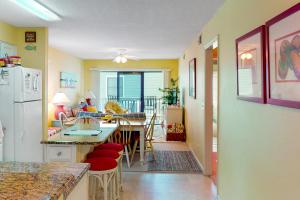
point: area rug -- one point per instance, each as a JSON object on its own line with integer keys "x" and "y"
{"x": 165, "y": 161}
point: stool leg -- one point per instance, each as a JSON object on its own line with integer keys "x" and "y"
{"x": 105, "y": 186}
{"x": 127, "y": 156}
{"x": 121, "y": 176}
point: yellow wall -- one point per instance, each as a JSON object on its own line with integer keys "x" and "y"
{"x": 258, "y": 144}
{"x": 34, "y": 59}
{"x": 8, "y": 33}
{"x": 62, "y": 62}
{"x": 172, "y": 65}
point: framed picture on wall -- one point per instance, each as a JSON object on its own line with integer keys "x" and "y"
{"x": 192, "y": 78}
{"x": 283, "y": 48}
{"x": 68, "y": 80}
{"x": 251, "y": 66}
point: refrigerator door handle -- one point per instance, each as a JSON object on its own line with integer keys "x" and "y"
{"x": 22, "y": 122}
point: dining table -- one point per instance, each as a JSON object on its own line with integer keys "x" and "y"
{"x": 139, "y": 125}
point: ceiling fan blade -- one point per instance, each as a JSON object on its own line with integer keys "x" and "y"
{"x": 132, "y": 57}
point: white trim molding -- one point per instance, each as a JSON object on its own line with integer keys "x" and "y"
{"x": 198, "y": 161}
{"x": 117, "y": 69}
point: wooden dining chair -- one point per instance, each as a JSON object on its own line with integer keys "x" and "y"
{"x": 62, "y": 117}
{"x": 148, "y": 138}
{"x": 123, "y": 136}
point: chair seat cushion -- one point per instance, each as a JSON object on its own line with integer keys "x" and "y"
{"x": 101, "y": 164}
{"x": 112, "y": 146}
{"x": 106, "y": 153}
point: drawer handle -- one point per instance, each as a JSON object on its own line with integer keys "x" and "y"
{"x": 59, "y": 153}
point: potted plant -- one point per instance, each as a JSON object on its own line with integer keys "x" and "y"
{"x": 170, "y": 94}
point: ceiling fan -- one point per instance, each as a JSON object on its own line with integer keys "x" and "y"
{"x": 123, "y": 57}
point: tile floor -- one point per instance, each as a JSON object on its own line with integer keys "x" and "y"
{"x": 167, "y": 186}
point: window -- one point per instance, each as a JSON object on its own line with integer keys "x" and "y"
{"x": 112, "y": 87}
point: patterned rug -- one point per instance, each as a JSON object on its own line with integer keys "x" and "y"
{"x": 165, "y": 161}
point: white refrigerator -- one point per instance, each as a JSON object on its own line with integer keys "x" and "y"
{"x": 21, "y": 114}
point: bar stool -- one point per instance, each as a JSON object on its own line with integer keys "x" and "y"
{"x": 120, "y": 149}
{"x": 110, "y": 146}
{"x": 110, "y": 154}
{"x": 102, "y": 172}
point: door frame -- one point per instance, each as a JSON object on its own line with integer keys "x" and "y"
{"x": 208, "y": 109}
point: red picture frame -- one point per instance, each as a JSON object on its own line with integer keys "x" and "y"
{"x": 192, "y": 78}
{"x": 282, "y": 76}
{"x": 259, "y": 33}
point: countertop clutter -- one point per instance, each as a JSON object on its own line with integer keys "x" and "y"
{"x": 44, "y": 181}
{"x": 66, "y": 136}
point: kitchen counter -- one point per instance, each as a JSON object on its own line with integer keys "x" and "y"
{"x": 64, "y": 138}
{"x": 39, "y": 181}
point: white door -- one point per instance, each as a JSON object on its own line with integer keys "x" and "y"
{"x": 28, "y": 132}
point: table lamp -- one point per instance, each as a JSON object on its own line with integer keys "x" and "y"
{"x": 89, "y": 96}
{"x": 59, "y": 99}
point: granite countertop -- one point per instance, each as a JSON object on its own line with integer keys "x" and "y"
{"x": 39, "y": 181}
{"x": 64, "y": 138}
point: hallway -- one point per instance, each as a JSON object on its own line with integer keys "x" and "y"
{"x": 167, "y": 186}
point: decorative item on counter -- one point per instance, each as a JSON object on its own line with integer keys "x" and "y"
{"x": 89, "y": 96}
{"x": 15, "y": 60}
{"x": 60, "y": 99}
{"x": 2, "y": 62}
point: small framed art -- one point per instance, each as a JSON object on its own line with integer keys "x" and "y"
{"x": 283, "y": 50}
{"x": 192, "y": 78}
{"x": 30, "y": 36}
{"x": 250, "y": 55}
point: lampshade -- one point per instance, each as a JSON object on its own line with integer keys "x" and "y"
{"x": 90, "y": 95}
{"x": 60, "y": 99}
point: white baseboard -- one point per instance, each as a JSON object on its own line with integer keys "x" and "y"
{"x": 198, "y": 161}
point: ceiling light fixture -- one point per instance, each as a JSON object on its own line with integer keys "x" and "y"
{"x": 120, "y": 59}
{"x": 37, "y": 9}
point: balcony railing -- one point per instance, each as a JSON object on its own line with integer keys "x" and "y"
{"x": 151, "y": 105}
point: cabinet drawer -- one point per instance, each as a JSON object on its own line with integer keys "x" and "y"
{"x": 61, "y": 153}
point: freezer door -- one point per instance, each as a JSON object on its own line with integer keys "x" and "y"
{"x": 28, "y": 84}
{"x": 28, "y": 132}
{"x": 7, "y": 111}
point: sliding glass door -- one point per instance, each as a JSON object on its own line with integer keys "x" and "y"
{"x": 130, "y": 90}
{"x": 135, "y": 91}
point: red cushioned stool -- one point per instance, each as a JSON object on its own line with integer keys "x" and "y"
{"x": 111, "y": 146}
{"x": 103, "y": 172}
{"x": 110, "y": 154}
{"x": 104, "y": 153}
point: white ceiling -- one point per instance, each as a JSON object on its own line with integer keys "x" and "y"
{"x": 96, "y": 29}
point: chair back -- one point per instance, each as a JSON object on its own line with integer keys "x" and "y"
{"x": 150, "y": 130}
{"x": 87, "y": 123}
{"x": 62, "y": 117}
{"x": 123, "y": 134}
